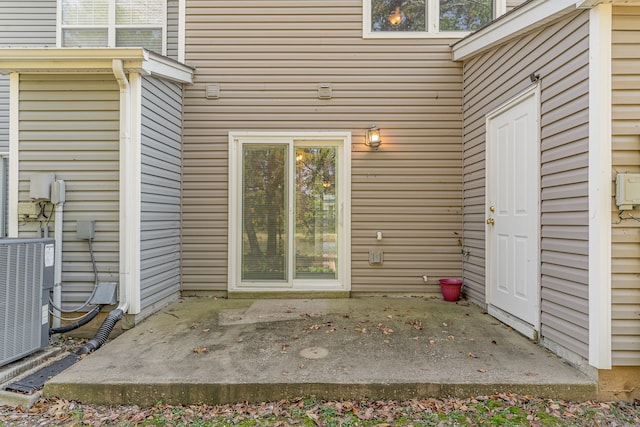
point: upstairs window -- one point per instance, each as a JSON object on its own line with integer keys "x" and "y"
{"x": 427, "y": 18}
{"x": 113, "y": 23}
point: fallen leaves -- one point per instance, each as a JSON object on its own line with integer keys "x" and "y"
{"x": 416, "y": 324}
{"x": 200, "y": 350}
{"x": 496, "y": 409}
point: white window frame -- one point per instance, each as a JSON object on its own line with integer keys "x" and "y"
{"x": 343, "y": 281}
{"x": 433, "y": 11}
{"x": 111, "y": 25}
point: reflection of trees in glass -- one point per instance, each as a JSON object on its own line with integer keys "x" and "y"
{"x": 264, "y": 204}
{"x": 315, "y": 176}
{"x": 464, "y": 15}
{"x": 315, "y": 219}
{"x": 413, "y": 15}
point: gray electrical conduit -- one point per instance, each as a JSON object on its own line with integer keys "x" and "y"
{"x": 116, "y": 314}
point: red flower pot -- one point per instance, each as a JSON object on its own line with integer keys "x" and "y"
{"x": 451, "y": 289}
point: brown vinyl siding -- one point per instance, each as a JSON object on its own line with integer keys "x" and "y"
{"x": 161, "y": 153}
{"x": 268, "y": 59}
{"x": 559, "y": 53}
{"x": 28, "y": 23}
{"x": 625, "y": 250}
{"x": 69, "y": 126}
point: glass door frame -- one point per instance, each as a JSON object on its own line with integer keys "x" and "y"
{"x": 341, "y": 140}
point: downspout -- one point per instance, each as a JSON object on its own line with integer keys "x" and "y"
{"x": 125, "y": 140}
{"x": 57, "y": 279}
{"x": 125, "y": 239}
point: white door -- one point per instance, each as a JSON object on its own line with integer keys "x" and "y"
{"x": 513, "y": 213}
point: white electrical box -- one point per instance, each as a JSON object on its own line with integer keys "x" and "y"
{"x": 40, "y": 186}
{"x": 627, "y": 190}
{"x": 58, "y": 189}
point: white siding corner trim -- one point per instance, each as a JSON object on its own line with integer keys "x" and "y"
{"x": 600, "y": 187}
{"x": 182, "y": 13}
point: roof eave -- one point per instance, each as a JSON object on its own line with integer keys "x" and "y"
{"x": 530, "y": 15}
{"x": 92, "y": 60}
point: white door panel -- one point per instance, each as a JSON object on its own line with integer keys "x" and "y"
{"x": 512, "y": 210}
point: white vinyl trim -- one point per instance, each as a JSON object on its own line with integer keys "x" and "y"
{"x": 600, "y": 145}
{"x": 182, "y": 16}
{"x": 236, "y": 139}
{"x": 14, "y": 165}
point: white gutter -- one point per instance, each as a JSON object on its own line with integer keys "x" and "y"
{"x": 125, "y": 140}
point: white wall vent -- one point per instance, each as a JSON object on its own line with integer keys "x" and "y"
{"x": 26, "y": 277}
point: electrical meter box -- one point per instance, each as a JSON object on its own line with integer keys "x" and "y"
{"x": 627, "y": 190}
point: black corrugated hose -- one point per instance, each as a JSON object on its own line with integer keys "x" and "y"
{"x": 86, "y": 319}
{"x": 103, "y": 332}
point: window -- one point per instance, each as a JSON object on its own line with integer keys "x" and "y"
{"x": 420, "y": 18}
{"x": 113, "y": 23}
{"x": 287, "y": 230}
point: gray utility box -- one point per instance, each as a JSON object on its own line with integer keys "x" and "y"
{"x": 26, "y": 279}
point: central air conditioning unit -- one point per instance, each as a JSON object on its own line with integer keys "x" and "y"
{"x": 26, "y": 278}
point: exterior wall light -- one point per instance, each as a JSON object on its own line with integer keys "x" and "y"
{"x": 372, "y": 138}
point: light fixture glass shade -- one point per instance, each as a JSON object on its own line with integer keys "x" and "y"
{"x": 396, "y": 17}
{"x": 373, "y": 138}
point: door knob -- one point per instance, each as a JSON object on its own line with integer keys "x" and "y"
{"x": 491, "y": 221}
{"x": 492, "y": 208}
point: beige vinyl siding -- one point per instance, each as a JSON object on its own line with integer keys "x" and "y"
{"x": 4, "y": 114}
{"x": 268, "y": 58}
{"x": 625, "y": 248}
{"x": 69, "y": 126}
{"x": 559, "y": 53}
{"x": 160, "y": 188}
{"x": 27, "y": 23}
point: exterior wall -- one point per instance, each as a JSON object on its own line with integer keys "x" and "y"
{"x": 160, "y": 186}
{"x": 172, "y": 28}
{"x": 69, "y": 126}
{"x": 626, "y": 158}
{"x": 559, "y": 53}
{"x": 269, "y": 61}
{"x": 30, "y": 23}
{"x": 4, "y": 114}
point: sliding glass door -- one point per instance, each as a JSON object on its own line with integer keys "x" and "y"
{"x": 288, "y": 200}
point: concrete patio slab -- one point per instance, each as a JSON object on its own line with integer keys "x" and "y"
{"x": 206, "y": 350}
